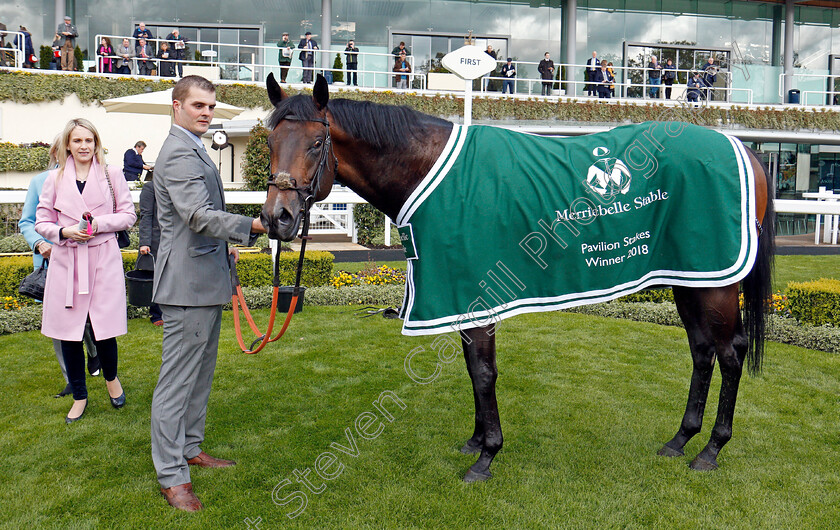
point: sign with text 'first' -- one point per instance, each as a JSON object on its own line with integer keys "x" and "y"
{"x": 469, "y": 62}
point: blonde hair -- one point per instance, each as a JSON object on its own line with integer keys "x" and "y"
{"x": 53, "y": 153}
{"x": 62, "y": 145}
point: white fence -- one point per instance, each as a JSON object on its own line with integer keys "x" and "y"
{"x": 331, "y": 216}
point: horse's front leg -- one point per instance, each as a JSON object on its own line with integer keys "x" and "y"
{"x": 731, "y": 344}
{"x": 480, "y": 355}
{"x": 689, "y": 305}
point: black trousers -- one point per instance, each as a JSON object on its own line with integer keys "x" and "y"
{"x": 74, "y": 361}
{"x": 546, "y": 88}
{"x": 352, "y": 76}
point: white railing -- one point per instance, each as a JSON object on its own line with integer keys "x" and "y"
{"x": 326, "y": 218}
{"x": 622, "y": 83}
{"x": 803, "y": 99}
{"x": 17, "y": 53}
{"x": 257, "y": 68}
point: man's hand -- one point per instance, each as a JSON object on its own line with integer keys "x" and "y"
{"x": 144, "y": 249}
{"x": 257, "y": 226}
{"x": 44, "y": 249}
{"x": 235, "y": 253}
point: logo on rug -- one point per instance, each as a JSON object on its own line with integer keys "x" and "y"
{"x": 608, "y": 177}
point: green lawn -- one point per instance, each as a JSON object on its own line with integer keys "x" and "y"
{"x": 804, "y": 268}
{"x": 585, "y": 402}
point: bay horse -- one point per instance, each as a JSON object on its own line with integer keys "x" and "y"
{"x": 382, "y": 152}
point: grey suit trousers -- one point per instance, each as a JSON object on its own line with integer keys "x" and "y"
{"x": 179, "y": 405}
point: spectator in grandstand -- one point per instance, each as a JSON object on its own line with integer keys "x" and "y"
{"x": 401, "y": 65}
{"x": 710, "y": 71}
{"x": 399, "y": 49}
{"x": 509, "y": 73}
{"x": 144, "y": 54}
{"x": 67, "y": 34}
{"x": 166, "y": 68}
{"x": 307, "y": 56}
{"x": 546, "y": 70}
{"x": 284, "y": 57}
{"x": 23, "y": 42}
{"x": 603, "y": 79}
{"x": 669, "y": 75}
{"x": 695, "y": 86}
{"x": 140, "y": 32}
{"x": 352, "y": 55}
{"x": 654, "y": 72}
{"x": 125, "y": 60}
{"x": 591, "y": 69}
{"x": 105, "y": 53}
{"x": 177, "y": 49}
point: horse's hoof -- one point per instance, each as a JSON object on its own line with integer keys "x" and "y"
{"x": 670, "y": 452}
{"x": 701, "y": 464}
{"x": 473, "y": 476}
{"x": 470, "y": 449}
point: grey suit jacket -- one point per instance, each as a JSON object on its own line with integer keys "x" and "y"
{"x": 192, "y": 266}
{"x": 62, "y": 39}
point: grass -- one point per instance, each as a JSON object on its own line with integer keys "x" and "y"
{"x": 804, "y": 268}
{"x": 585, "y": 404}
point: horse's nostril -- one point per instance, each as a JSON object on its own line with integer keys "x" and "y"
{"x": 285, "y": 217}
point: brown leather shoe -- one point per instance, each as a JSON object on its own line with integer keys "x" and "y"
{"x": 205, "y": 460}
{"x": 182, "y": 497}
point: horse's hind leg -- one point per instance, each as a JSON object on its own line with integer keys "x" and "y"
{"x": 480, "y": 354}
{"x": 700, "y": 341}
{"x": 731, "y": 345}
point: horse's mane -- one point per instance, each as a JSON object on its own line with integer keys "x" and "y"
{"x": 382, "y": 126}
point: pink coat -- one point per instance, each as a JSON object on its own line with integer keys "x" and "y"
{"x": 84, "y": 279}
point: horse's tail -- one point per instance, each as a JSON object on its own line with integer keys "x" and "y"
{"x": 757, "y": 285}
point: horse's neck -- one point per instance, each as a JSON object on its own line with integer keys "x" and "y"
{"x": 387, "y": 179}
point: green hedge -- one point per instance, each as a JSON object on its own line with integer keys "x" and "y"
{"x": 14, "y": 243}
{"x": 256, "y": 269}
{"x": 816, "y": 302}
{"x": 32, "y": 87}
{"x": 23, "y": 157}
{"x": 13, "y": 269}
{"x": 779, "y": 329}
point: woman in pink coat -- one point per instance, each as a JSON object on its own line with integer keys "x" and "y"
{"x": 85, "y": 279}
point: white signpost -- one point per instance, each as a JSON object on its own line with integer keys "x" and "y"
{"x": 468, "y": 63}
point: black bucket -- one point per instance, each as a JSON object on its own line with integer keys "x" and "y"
{"x": 284, "y": 299}
{"x": 141, "y": 280}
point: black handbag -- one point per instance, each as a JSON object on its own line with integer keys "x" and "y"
{"x": 34, "y": 283}
{"x": 122, "y": 236}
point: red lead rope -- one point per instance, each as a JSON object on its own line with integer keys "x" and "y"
{"x": 238, "y": 298}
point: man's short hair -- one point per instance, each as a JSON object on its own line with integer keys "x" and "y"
{"x": 140, "y": 143}
{"x": 182, "y": 87}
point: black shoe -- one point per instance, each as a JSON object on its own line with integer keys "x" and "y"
{"x": 94, "y": 365}
{"x": 118, "y": 402}
{"x": 66, "y": 392}
{"x": 68, "y": 419}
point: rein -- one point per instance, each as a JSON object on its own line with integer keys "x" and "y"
{"x": 283, "y": 182}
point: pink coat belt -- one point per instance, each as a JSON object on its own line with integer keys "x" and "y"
{"x": 82, "y": 258}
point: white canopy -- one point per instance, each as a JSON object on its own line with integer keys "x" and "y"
{"x": 160, "y": 102}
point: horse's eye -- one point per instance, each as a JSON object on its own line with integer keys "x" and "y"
{"x": 317, "y": 144}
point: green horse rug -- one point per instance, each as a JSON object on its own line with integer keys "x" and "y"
{"x": 508, "y": 223}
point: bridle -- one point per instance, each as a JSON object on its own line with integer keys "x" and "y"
{"x": 284, "y": 182}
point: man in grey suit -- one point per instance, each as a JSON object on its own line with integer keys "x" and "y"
{"x": 191, "y": 284}
{"x": 67, "y": 34}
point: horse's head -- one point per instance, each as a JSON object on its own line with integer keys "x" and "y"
{"x": 303, "y": 165}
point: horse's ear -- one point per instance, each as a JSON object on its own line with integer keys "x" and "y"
{"x": 321, "y": 93}
{"x": 275, "y": 93}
